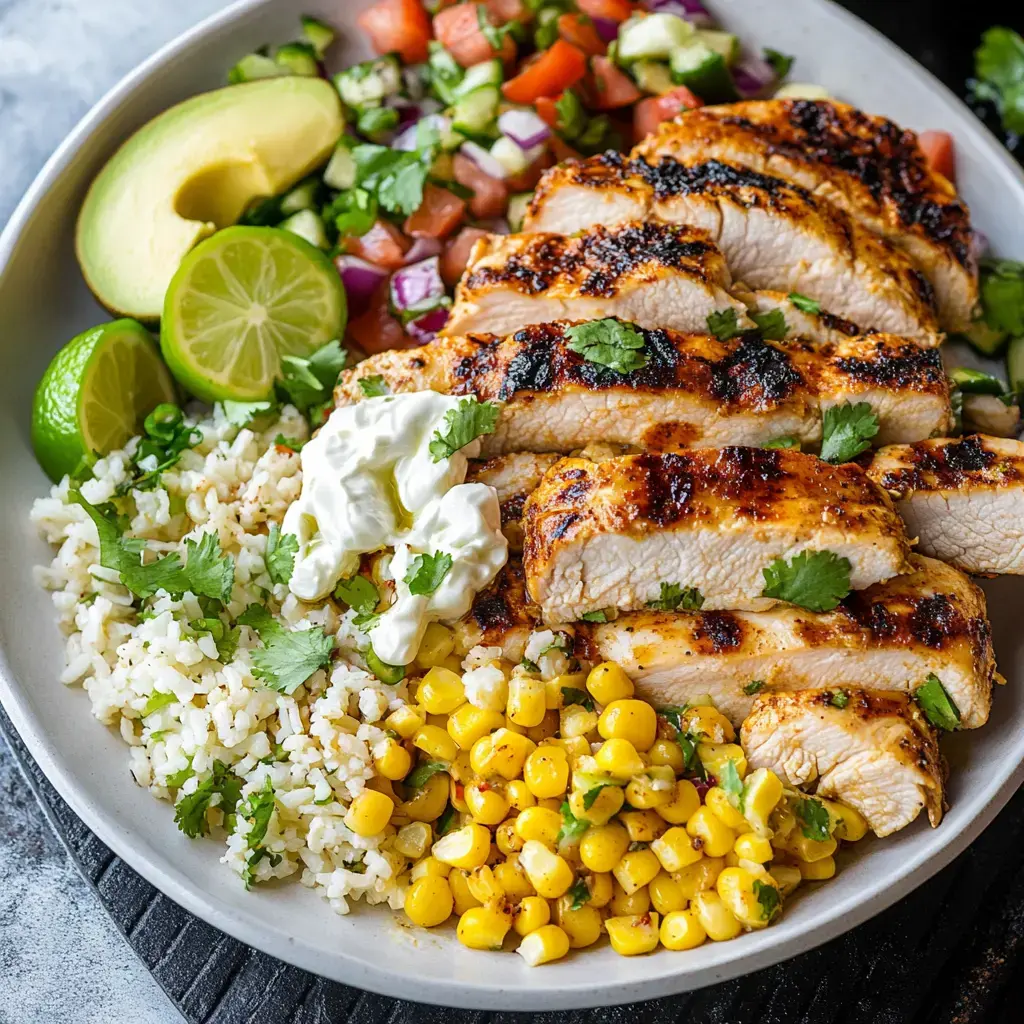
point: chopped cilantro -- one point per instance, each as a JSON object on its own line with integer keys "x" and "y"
{"x": 846, "y": 431}
{"x": 771, "y": 325}
{"x": 208, "y": 572}
{"x": 178, "y": 779}
{"x": 463, "y": 425}
{"x": 591, "y": 795}
{"x": 937, "y": 705}
{"x": 373, "y": 387}
{"x": 999, "y": 67}
{"x": 447, "y": 819}
{"x": 531, "y": 666}
{"x": 417, "y": 778}
{"x": 359, "y": 593}
{"x": 288, "y": 657}
{"x": 754, "y": 686}
{"x": 241, "y": 414}
{"x": 579, "y": 893}
{"x": 396, "y": 178}
{"x": 165, "y": 437}
{"x": 156, "y": 701}
{"x": 814, "y": 819}
{"x": 674, "y": 597}
{"x": 494, "y": 34}
{"x": 280, "y": 556}
{"x": 610, "y": 343}
{"x": 289, "y": 442}
{"x": 427, "y": 572}
{"x": 599, "y": 616}
{"x": 724, "y": 324}
{"x": 572, "y": 827}
{"x": 308, "y": 383}
{"x": 815, "y": 580}
{"x": 768, "y": 899}
{"x": 190, "y": 810}
{"x": 731, "y": 784}
{"x": 805, "y": 304}
{"x": 839, "y": 699}
{"x": 688, "y": 740}
{"x": 780, "y": 62}
{"x": 572, "y": 115}
{"x": 257, "y": 810}
{"x": 782, "y": 442}
{"x": 572, "y": 695}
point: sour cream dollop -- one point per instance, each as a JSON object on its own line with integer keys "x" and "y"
{"x": 369, "y": 482}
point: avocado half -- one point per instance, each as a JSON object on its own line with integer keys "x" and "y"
{"x": 191, "y": 171}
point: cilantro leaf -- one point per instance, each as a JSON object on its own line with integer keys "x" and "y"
{"x": 447, "y": 819}
{"x": 768, "y": 899}
{"x": 846, "y": 431}
{"x": 190, "y": 810}
{"x": 724, "y": 324}
{"x": 280, "y": 555}
{"x": 156, "y": 701}
{"x": 178, "y": 779}
{"x": 815, "y": 580}
{"x": 839, "y": 699}
{"x": 258, "y": 810}
{"x": 999, "y": 66}
{"x": 494, "y": 34}
{"x": 571, "y": 695}
{"x": 207, "y": 571}
{"x": 687, "y": 740}
{"x": 463, "y": 425}
{"x": 580, "y": 893}
{"x": 427, "y": 572}
{"x": 780, "y": 62}
{"x": 241, "y": 414}
{"x": 288, "y": 657}
{"x": 289, "y": 442}
{"x": 307, "y": 383}
{"x": 731, "y": 784}
{"x": 804, "y": 303}
{"x": 610, "y": 343}
{"x": 395, "y": 177}
{"x": 165, "y": 573}
{"x": 673, "y": 597}
{"x": 814, "y": 819}
{"x": 937, "y": 705}
{"x": 165, "y": 437}
{"x": 572, "y": 827}
{"x": 754, "y": 686}
{"x": 771, "y": 325}
{"x": 358, "y": 593}
{"x": 572, "y": 116}
{"x": 417, "y": 778}
{"x": 783, "y": 442}
{"x": 373, "y": 386}
{"x": 591, "y": 795}
{"x": 599, "y": 616}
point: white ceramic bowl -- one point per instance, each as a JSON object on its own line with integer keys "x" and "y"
{"x": 43, "y": 302}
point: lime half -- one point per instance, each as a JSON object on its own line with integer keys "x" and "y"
{"x": 95, "y": 395}
{"x": 240, "y": 300}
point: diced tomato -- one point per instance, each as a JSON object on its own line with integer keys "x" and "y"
{"x": 377, "y": 330}
{"x": 458, "y": 28}
{"x": 551, "y": 74}
{"x": 938, "y": 151}
{"x": 526, "y": 181}
{"x": 649, "y": 113}
{"x": 546, "y": 110}
{"x": 580, "y": 31}
{"x": 614, "y": 10}
{"x": 456, "y": 254}
{"x": 383, "y": 245}
{"x": 504, "y": 11}
{"x": 613, "y": 88}
{"x": 439, "y": 214}
{"x": 490, "y": 195}
{"x": 401, "y": 26}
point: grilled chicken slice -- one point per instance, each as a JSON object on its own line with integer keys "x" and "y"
{"x": 808, "y": 324}
{"x": 877, "y": 753}
{"x": 889, "y": 637}
{"x": 773, "y": 235}
{"x": 514, "y": 477}
{"x": 694, "y": 391}
{"x": 869, "y": 167}
{"x": 611, "y": 534}
{"x": 962, "y": 498}
{"x": 501, "y": 616}
{"x": 655, "y": 275}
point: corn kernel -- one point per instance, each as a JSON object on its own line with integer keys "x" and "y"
{"x": 600, "y": 884}
{"x": 712, "y": 725}
{"x": 546, "y": 772}
{"x": 636, "y": 869}
{"x": 467, "y": 724}
{"x": 787, "y": 877}
{"x": 633, "y": 935}
{"x": 458, "y": 882}
{"x": 405, "y": 721}
{"x": 618, "y": 757}
{"x": 429, "y": 866}
{"x": 576, "y": 720}
{"x": 526, "y": 700}
{"x": 552, "y": 803}
{"x": 546, "y": 730}
{"x": 532, "y": 913}
{"x": 604, "y": 807}
{"x": 818, "y": 870}
{"x": 437, "y": 644}
{"x": 603, "y": 846}
{"x": 803, "y": 848}
{"x": 607, "y": 682}
{"x": 413, "y": 839}
{"x": 753, "y": 900}
{"x": 540, "y": 824}
{"x": 487, "y": 804}
{"x": 369, "y": 813}
{"x": 429, "y": 801}
{"x": 849, "y": 824}
{"x": 675, "y": 849}
{"x": 716, "y": 837}
{"x": 583, "y": 925}
{"x": 507, "y": 754}
{"x": 466, "y": 847}
{"x": 654, "y": 787}
{"x": 484, "y": 927}
{"x": 666, "y": 893}
{"x": 440, "y": 692}
{"x": 429, "y": 901}
{"x": 519, "y": 730}
{"x": 509, "y": 874}
{"x": 484, "y": 885}
{"x": 506, "y": 838}
{"x": 683, "y": 804}
{"x": 753, "y": 847}
{"x": 715, "y": 917}
{"x": 633, "y": 720}
{"x": 394, "y": 763}
{"x": 544, "y": 945}
{"x": 718, "y": 800}
{"x": 700, "y": 876}
{"x": 575, "y": 748}
{"x": 715, "y": 755}
{"x": 435, "y": 743}
{"x": 519, "y": 796}
{"x": 762, "y": 790}
{"x": 548, "y": 872}
{"x": 642, "y": 826}
{"x": 623, "y": 904}
{"x": 681, "y": 929}
{"x": 667, "y": 752}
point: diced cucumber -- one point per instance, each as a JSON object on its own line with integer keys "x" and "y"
{"x": 302, "y": 197}
{"x": 254, "y": 66}
{"x": 653, "y": 37}
{"x": 488, "y": 73}
{"x": 652, "y": 76}
{"x": 306, "y": 224}
{"x": 517, "y": 210}
{"x": 340, "y": 172}
{"x": 976, "y": 382}
{"x": 299, "y": 59}
{"x": 703, "y": 71}
{"x": 318, "y": 35}
{"x": 724, "y": 43}
{"x": 369, "y": 82}
{"x": 445, "y": 73}
{"x": 802, "y": 91}
{"x": 511, "y": 156}
{"x": 376, "y": 122}
{"x": 475, "y": 111}
{"x": 984, "y": 339}
{"x": 1015, "y": 365}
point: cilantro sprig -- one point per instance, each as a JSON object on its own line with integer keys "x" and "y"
{"x": 288, "y": 657}
{"x": 165, "y": 436}
{"x": 814, "y": 819}
{"x": 609, "y": 342}
{"x": 572, "y": 827}
{"x": 674, "y": 597}
{"x": 257, "y": 810}
{"x": 463, "y": 425}
{"x": 308, "y": 383}
{"x": 427, "y": 572}
{"x": 846, "y": 431}
{"x": 804, "y": 303}
{"x": 939, "y": 708}
{"x": 373, "y": 386}
{"x": 768, "y": 899}
{"x": 815, "y": 580}
{"x": 222, "y": 788}
{"x": 280, "y": 554}
{"x": 731, "y": 784}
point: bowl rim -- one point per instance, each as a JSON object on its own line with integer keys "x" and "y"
{"x": 759, "y": 951}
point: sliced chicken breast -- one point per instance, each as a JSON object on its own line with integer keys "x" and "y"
{"x": 773, "y": 235}
{"x": 610, "y": 535}
{"x": 889, "y": 637}
{"x": 808, "y": 324}
{"x": 501, "y": 616}
{"x": 694, "y": 391}
{"x": 514, "y": 477}
{"x": 962, "y": 498}
{"x": 877, "y": 753}
{"x": 869, "y": 167}
{"x": 654, "y": 275}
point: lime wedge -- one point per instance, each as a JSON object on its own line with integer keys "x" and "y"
{"x": 241, "y": 300}
{"x": 95, "y": 395}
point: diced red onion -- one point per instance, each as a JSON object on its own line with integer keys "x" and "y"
{"x": 691, "y": 10}
{"x": 524, "y": 128}
{"x": 360, "y": 280}
{"x": 423, "y": 249}
{"x": 483, "y": 159}
{"x": 607, "y": 28}
{"x": 496, "y": 226}
{"x": 752, "y": 76}
{"x": 407, "y": 137}
{"x": 979, "y": 244}
{"x": 416, "y": 284}
{"x": 425, "y": 328}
